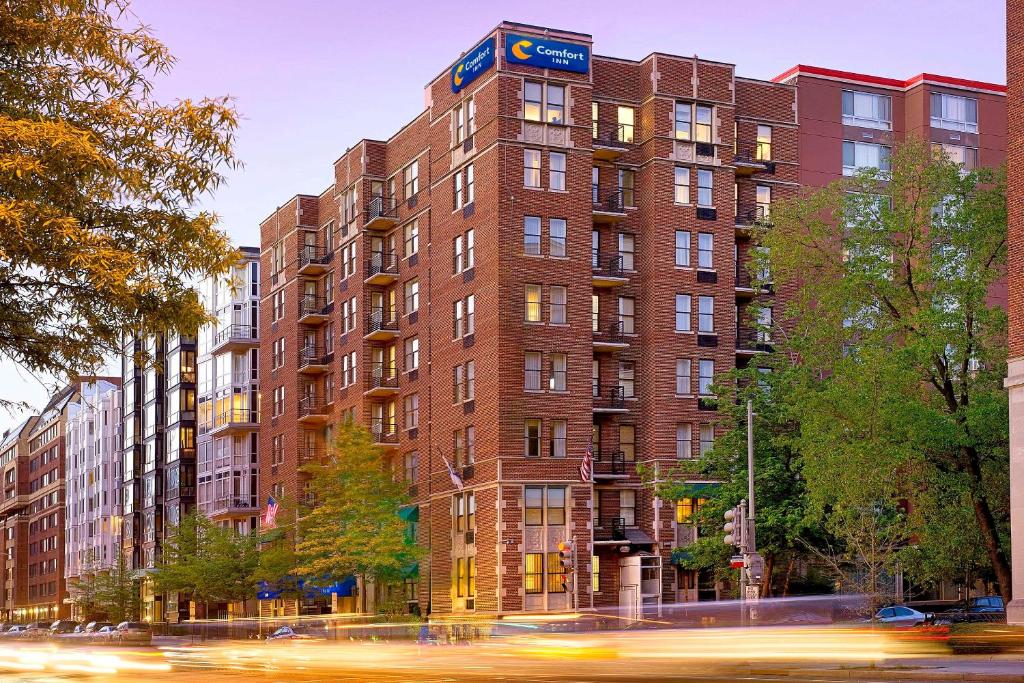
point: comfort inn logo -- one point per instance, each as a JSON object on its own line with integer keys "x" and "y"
{"x": 474, "y": 63}
{"x": 547, "y": 54}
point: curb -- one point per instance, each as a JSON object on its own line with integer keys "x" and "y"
{"x": 913, "y": 675}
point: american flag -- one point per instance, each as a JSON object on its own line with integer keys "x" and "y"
{"x": 587, "y": 466}
{"x": 456, "y": 479}
{"x": 270, "y": 516}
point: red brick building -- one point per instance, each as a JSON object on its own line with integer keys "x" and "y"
{"x": 547, "y": 257}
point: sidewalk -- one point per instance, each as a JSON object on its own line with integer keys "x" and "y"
{"x": 977, "y": 668}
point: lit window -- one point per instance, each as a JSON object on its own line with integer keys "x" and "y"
{"x": 683, "y": 114}
{"x": 533, "y": 303}
{"x": 533, "y": 100}
{"x": 531, "y": 168}
{"x": 625, "y": 118}
{"x": 704, "y": 124}
{"x": 763, "y": 151}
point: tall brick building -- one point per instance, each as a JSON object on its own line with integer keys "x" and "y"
{"x": 553, "y": 257}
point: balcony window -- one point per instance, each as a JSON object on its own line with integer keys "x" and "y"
{"x": 681, "y": 194}
{"x": 533, "y": 303}
{"x": 625, "y": 119}
{"x": 683, "y": 313}
{"x": 858, "y": 155}
{"x": 704, "y": 124}
{"x": 627, "y": 379}
{"x": 764, "y": 324}
{"x": 705, "y": 376}
{"x": 595, "y": 183}
{"x": 763, "y": 150}
{"x": 627, "y": 249}
{"x": 531, "y": 168}
{"x": 626, "y": 187}
{"x": 683, "y": 377}
{"x": 706, "y": 314}
{"x": 682, "y": 248}
{"x": 954, "y": 113}
{"x": 556, "y": 231}
{"x": 683, "y": 116}
{"x": 533, "y": 100}
{"x": 867, "y": 110}
{"x": 705, "y": 184}
{"x": 627, "y": 314}
{"x": 627, "y": 506}
{"x": 556, "y": 177}
{"x": 705, "y": 250}
{"x": 764, "y": 201}
{"x": 531, "y": 371}
{"x": 627, "y": 442}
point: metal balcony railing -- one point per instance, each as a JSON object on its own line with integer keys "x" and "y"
{"x": 616, "y": 135}
{"x": 311, "y": 304}
{"x": 609, "y": 397}
{"x": 312, "y": 405}
{"x": 236, "y": 331}
{"x": 313, "y": 453}
{"x": 615, "y": 202}
{"x": 235, "y": 503}
{"x": 383, "y": 376}
{"x": 608, "y": 266}
{"x": 311, "y": 254}
{"x": 381, "y": 262}
{"x": 753, "y": 340}
{"x": 381, "y": 207}
{"x": 753, "y": 214}
{"x": 610, "y": 529}
{"x": 384, "y": 432}
{"x": 235, "y": 416}
{"x": 613, "y": 334}
{"x": 613, "y": 462}
{"x": 312, "y": 355}
{"x": 381, "y": 319}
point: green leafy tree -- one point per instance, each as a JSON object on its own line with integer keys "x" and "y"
{"x": 98, "y": 180}
{"x": 354, "y": 528}
{"x": 117, "y": 591}
{"x": 891, "y": 274}
{"x": 208, "y": 562}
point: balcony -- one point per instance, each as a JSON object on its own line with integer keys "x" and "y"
{"x": 235, "y": 420}
{"x": 612, "y": 529}
{"x": 752, "y": 343}
{"x": 606, "y": 271}
{"x": 612, "y": 140}
{"x": 384, "y": 433}
{"x": 610, "y": 465}
{"x": 752, "y": 215}
{"x": 235, "y": 338}
{"x": 383, "y": 380}
{"x": 310, "y": 453}
{"x": 313, "y": 260}
{"x": 381, "y": 324}
{"x": 313, "y": 360}
{"x": 748, "y": 162}
{"x": 381, "y": 213}
{"x": 313, "y": 309}
{"x": 312, "y": 410}
{"x": 611, "y": 208}
{"x": 234, "y": 504}
{"x": 609, "y": 399}
{"x": 381, "y": 268}
{"x": 612, "y": 338}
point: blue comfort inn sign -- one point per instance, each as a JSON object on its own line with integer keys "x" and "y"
{"x": 476, "y": 61}
{"x": 547, "y": 54}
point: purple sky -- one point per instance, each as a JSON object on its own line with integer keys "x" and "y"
{"x": 311, "y": 78}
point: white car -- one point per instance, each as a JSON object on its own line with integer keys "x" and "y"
{"x": 898, "y": 615}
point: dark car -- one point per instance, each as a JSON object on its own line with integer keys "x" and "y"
{"x": 983, "y": 609}
{"x": 37, "y": 630}
{"x": 286, "y": 633}
{"x": 63, "y": 627}
{"x": 133, "y": 633}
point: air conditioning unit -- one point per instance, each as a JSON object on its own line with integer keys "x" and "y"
{"x": 470, "y": 603}
{"x": 470, "y": 537}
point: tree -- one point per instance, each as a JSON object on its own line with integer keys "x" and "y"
{"x": 354, "y": 528}
{"x": 891, "y": 274}
{"x": 107, "y": 592}
{"x": 98, "y": 234}
{"x": 208, "y": 562}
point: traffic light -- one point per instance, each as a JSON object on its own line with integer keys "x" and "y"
{"x": 734, "y": 526}
{"x": 566, "y": 556}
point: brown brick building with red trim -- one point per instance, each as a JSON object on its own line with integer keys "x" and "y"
{"x": 543, "y": 259}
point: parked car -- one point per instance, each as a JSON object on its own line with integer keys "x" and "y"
{"x": 287, "y": 633}
{"x": 987, "y": 608}
{"x": 104, "y": 635}
{"x": 63, "y": 627}
{"x": 133, "y": 633}
{"x": 899, "y": 615}
{"x": 37, "y": 630}
{"x": 14, "y": 631}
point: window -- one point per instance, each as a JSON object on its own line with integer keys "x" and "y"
{"x": 463, "y": 382}
{"x": 277, "y": 456}
{"x": 470, "y": 380}
{"x": 705, "y": 376}
{"x": 626, "y": 188}
{"x": 555, "y": 505}
{"x": 705, "y": 185}
{"x": 470, "y": 251}
{"x": 531, "y": 437}
{"x": 457, "y": 255}
{"x": 858, "y": 155}
{"x": 703, "y": 126}
{"x": 278, "y": 401}
{"x": 593, "y": 119}
{"x": 457, "y": 191}
{"x": 558, "y": 371}
{"x": 412, "y": 238}
{"x": 763, "y": 150}
{"x": 458, "y": 448}
{"x": 954, "y": 112}
{"x": 683, "y": 313}
{"x": 463, "y": 317}
{"x": 459, "y": 121}
{"x": 556, "y": 228}
{"x": 627, "y": 507}
{"x": 412, "y": 296}
{"x": 867, "y": 110}
{"x": 683, "y": 116}
{"x": 958, "y": 154}
{"x": 684, "y": 436}
{"x": 764, "y": 201}
{"x": 531, "y": 168}
{"x": 556, "y": 173}
{"x": 627, "y": 379}
{"x": 411, "y": 179}
{"x": 706, "y": 314}
{"x": 558, "y": 430}
{"x": 627, "y": 314}
{"x": 556, "y": 578}
{"x": 687, "y": 508}
{"x": 533, "y": 100}
{"x": 533, "y": 303}
{"x": 705, "y": 249}
{"x": 412, "y": 353}
{"x": 683, "y": 248}
{"x": 470, "y": 196}
{"x": 533, "y": 574}
{"x": 533, "y": 502}
{"x": 278, "y": 305}
{"x": 412, "y": 411}
{"x": 531, "y": 370}
{"x": 627, "y": 250}
{"x": 471, "y": 447}
{"x": 531, "y": 235}
{"x": 625, "y": 119}
{"x": 412, "y": 466}
{"x": 556, "y": 308}
{"x": 764, "y": 324}
{"x": 277, "y": 359}
{"x": 595, "y": 571}
{"x": 682, "y": 185}
{"x": 595, "y": 309}
{"x": 555, "y": 110}
{"x": 683, "y": 377}
{"x": 627, "y": 442}
{"x": 707, "y": 439}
